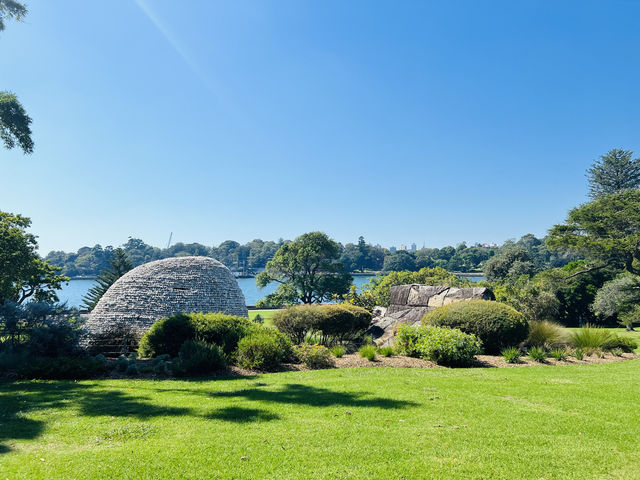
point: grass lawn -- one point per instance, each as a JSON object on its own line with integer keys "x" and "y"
{"x": 265, "y": 314}
{"x": 622, "y": 332}
{"x": 372, "y": 423}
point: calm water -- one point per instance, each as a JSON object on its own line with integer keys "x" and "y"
{"x": 77, "y": 289}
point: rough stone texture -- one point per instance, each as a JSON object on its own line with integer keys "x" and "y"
{"x": 409, "y": 303}
{"x": 162, "y": 288}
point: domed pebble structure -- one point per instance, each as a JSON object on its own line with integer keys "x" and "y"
{"x": 160, "y": 289}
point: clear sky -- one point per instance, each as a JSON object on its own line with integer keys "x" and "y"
{"x": 424, "y": 121}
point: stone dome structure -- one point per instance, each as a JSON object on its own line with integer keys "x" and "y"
{"x": 162, "y": 288}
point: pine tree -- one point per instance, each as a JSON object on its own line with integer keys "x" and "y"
{"x": 614, "y": 172}
{"x": 118, "y": 266}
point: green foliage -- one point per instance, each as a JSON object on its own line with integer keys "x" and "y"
{"x": 399, "y": 261}
{"x": 11, "y": 9}
{"x": 166, "y": 336}
{"x": 309, "y": 265}
{"x": 14, "y": 123}
{"x": 368, "y": 352}
{"x": 341, "y": 322}
{"x": 606, "y": 230}
{"x": 362, "y": 256}
{"x": 545, "y": 334}
{"x": 338, "y": 351}
{"x": 559, "y": 354}
{"x": 537, "y": 354}
{"x": 578, "y": 353}
{"x": 619, "y": 298}
{"x": 23, "y": 274}
{"x": 378, "y": 290}
{"x": 386, "y": 351}
{"x": 297, "y": 321}
{"x": 314, "y": 356}
{"x": 592, "y": 338}
{"x": 199, "y": 358}
{"x": 444, "y": 346}
{"x": 497, "y": 325}
{"x": 264, "y": 349}
{"x": 118, "y": 266}
{"x": 132, "y": 369}
{"x": 614, "y": 172}
{"x": 511, "y": 355}
{"x": 509, "y": 263}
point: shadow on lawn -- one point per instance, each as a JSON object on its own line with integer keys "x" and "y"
{"x": 18, "y": 400}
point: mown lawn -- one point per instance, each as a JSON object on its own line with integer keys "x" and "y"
{"x": 265, "y": 314}
{"x": 513, "y": 423}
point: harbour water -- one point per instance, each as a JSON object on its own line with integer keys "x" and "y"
{"x": 76, "y": 289}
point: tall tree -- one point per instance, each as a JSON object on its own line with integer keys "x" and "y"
{"x": 23, "y": 274}
{"x": 307, "y": 270}
{"x": 606, "y": 231}
{"x": 614, "y": 172}
{"x": 118, "y": 266}
{"x": 14, "y": 122}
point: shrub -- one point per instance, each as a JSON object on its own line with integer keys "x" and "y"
{"x": 166, "y": 336}
{"x": 590, "y": 338}
{"x": 298, "y": 321}
{"x": 62, "y": 368}
{"x": 341, "y": 322}
{"x": 338, "y": 351}
{"x": 386, "y": 351}
{"x": 559, "y": 354}
{"x": 132, "y": 369}
{"x": 617, "y": 352}
{"x": 314, "y": 356}
{"x": 578, "y": 353}
{"x": 406, "y": 340}
{"x": 545, "y": 334}
{"x": 625, "y": 344}
{"x": 199, "y": 358}
{"x": 511, "y": 355}
{"x": 263, "y": 349}
{"x": 497, "y": 325}
{"x": 368, "y": 352}
{"x": 538, "y": 354}
{"x": 160, "y": 368}
{"x": 447, "y": 346}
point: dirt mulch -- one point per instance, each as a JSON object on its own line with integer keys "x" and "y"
{"x": 498, "y": 361}
{"x": 397, "y": 361}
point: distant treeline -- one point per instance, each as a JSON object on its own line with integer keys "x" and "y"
{"x": 357, "y": 257}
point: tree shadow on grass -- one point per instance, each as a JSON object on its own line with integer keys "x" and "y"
{"x": 242, "y": 415}
{"x": 315, "y": 397}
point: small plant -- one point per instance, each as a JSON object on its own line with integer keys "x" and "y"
{"x": 617, "y": 352}
{"x": 258, "y": 319}
{"x": 122, "y": 363}
{"x": 314, "y": 356}
{"x": 264, "y": 349}
{"x": 368, "y": 352}
{"x": 511, "y": 355}
{"x": 578, "y": 353}
{"x": 386, "y": 351}
{"x": 545, "y": 334}
{"x": 559, "y": 354}
{"x": 537, "y": 354}
{"x": 199, "y": 358}
{"x": 338, "y": 351}
{"x": 132, "y": 370}
{"x": 598, "y": 352}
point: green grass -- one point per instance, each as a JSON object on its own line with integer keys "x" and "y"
{"x": 555, "y": 422}
{"x": 619, "y": 331}
{"x": 265, "y": 314}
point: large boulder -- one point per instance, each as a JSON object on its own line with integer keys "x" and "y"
{"x": 409, "y": 303}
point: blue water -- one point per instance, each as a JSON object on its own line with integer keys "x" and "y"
{"x": 75, "y": 290}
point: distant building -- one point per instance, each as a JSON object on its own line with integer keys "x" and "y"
{"x": 489, "y": 245}
{"x": 402, "y": 247}
{"x": 392, "y": 249}
{"x": 414, "y": 247}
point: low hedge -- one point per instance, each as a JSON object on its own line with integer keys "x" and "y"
{"x": 264, "y": 349}
{"x": 497, "y": 325}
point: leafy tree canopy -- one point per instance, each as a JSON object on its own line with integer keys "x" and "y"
{"x": 10, "y": 9}
{"x": 309, "y": 265}
{"x": 23, "y": 274}
{"x": 614, "y": 172}
{"x": 605, "y": 230}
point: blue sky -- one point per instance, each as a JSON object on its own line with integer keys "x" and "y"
{"x": 434, "y": 122}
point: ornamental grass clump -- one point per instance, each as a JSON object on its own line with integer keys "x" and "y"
{"x": 545, "y": 334}
{"x": 537, "y": 354}
{"x": 368, "y": 352}
{"x": 591, "y": 338}
{"x": 511, "y": 355}
{"x": 386, "y": 351}
{"x": 338, "y": 351}
{"x": 497, "y": 325}
{"x": 559, "y": 354}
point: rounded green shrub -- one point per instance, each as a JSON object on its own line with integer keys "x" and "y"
{"x": 444, "y": 346}
{"x": 221, "y": 329}
{"x": 497, "y": 325}
{"x": 298, "y": 321}
{"x": 314, "y": 356}
{"x": 263, "y": 349}
{"x": 342, "y": 321}
{"x": 166, "y": 336}
{"x": 368, "y": 352}
{"x": 199, "y": 358}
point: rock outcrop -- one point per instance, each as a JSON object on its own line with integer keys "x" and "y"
{"x": 409, "y": 303}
